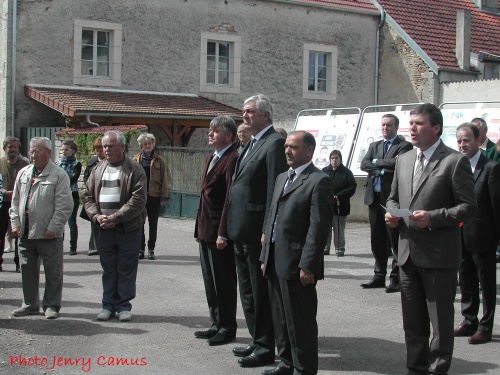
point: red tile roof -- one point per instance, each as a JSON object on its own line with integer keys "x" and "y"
{"x": 432, "y": 25}
{"x": 364, "y": 6}
{"x": 77, "y": 101}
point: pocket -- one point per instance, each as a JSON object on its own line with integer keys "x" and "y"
{"x": 255, "y": 207}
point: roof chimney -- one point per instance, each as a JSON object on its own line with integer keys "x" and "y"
{"x": 462, "y": 47}
{"x": 487, "y": 5}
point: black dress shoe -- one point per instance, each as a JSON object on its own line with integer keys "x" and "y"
{"x": 243, "y": 351}
{"x": 220, "y": 339}
{"x": 464, "y": 330}
{"x": 205, "y": 334}
{"x": 141, "y": 254}
{"x": 376, "y": 282}
{"x": 279, "y": 371}
{"x": 256, "y": 360}
{"x": 393, "y": 287}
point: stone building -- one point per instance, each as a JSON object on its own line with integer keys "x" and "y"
{"x": 100, "y": 54}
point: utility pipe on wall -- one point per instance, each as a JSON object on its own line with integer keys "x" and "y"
{"x": 14, "y": 63}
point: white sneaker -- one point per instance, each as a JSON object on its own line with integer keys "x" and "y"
{"x": 7, "y": 250}
{"x": 24, "y": 311}
{"x": 125, "y": 316}
{"x": 105, "y": 315}
{"x": 51, "y": 313}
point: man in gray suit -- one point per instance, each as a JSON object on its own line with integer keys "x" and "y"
{"x": 292, "y": 255}
{"x": 248, "y": 206}
{"x": 436, "y": 184}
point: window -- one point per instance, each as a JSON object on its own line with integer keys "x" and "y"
{"x": 490, "y": 71}
{"x": 319, "y": 72}
{"x": 97, "y": 53}
{"x": 220, "y": 61}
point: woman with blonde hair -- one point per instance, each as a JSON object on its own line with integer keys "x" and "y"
{"x": 156, "y": 173}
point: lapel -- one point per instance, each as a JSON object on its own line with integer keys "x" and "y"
{"x": 216, "y": 166}
{"x": 298, "y": 181}
{"x": 379, "y": 150}
{"x": 431, "y": 165}
{"x": 242, "y": 160}
{"x": 479, "y": 166}
{"x": 392, "y": 149}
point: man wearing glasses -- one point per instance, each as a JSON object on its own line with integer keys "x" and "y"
{"x": 41, "y": 206}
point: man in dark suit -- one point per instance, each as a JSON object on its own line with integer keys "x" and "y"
{"x": 435, "y": 183}
{"x": 216, "y": 250}
{"x": 248, "y": 206}
{"x": 379, "y": 163}
{"x": 489, "y": 149}
{"x": 479, "y": 239}
{"x": 487, "y": 146}
{"x": 292, "y": 255}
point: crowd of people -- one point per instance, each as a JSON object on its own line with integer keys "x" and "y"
{"x": 266, "y": 218}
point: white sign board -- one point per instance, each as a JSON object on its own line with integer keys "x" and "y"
{"x": 332, "y": 132}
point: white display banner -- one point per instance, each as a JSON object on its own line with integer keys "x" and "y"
{"x": 370, "y": 129}
{"x": 332, "y": 132}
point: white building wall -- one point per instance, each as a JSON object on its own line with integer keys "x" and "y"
{"x": 475, "y": 91}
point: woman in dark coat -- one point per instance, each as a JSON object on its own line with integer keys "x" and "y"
{"x": 344, "y": 188}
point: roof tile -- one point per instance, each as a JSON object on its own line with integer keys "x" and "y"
{"x": 432, "y": 25}
{"x": 74, "y": 101}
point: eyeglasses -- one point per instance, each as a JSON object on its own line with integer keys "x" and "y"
{"x": 36, "y": 151}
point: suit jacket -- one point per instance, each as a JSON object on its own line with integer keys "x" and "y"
{"x": 446, "y": 190}
{"x": 344, "y": 187}
{"x": 482, "y": 234}
{"x": 305, "y": 215}
{"x": 211, "y": 219}
{"x": 252, "y": 187}
{"x": 491, "y": 151}
{"x": 376, "y": 151}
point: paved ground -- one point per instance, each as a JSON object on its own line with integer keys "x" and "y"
{"x": 360, "y": 330}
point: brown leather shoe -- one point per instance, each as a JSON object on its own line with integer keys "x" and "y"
{"x": 464, "y": 330}
{"x": 480, "y": 337}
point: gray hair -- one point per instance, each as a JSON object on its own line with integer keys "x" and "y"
{"x": 8, "y": 140}
{"x": 44, "y": 141}
{"x": 226, "y": 123}
{"x": 146, "y": 137}
{"x": 262, "y": 104}
{"x": 120, "y": 138}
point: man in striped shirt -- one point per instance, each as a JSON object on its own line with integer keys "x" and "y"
{"x": 115, "y": 200}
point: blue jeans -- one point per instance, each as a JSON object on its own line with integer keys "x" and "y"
{"x": 119, "y": 256}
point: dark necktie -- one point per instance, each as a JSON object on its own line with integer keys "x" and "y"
{"x": 418, "y": 171}
{"x": 214, "y": 161}
{"x": 288, "y": 183}
{"x": 387, "y": 144}
{"x": 252, "y": 143}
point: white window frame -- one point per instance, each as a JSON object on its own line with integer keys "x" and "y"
{"x": 234, "y": 63}
{"x": 115, "y": 53}
{"x": 331, "y": 72}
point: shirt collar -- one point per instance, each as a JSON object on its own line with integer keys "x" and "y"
{"x": 473, "y": 160}
{"x": 221, "y": 152}
{"x": 430, "y": 151}
{"x": 261, "y": 133}
{"x": 300, "y": 169}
